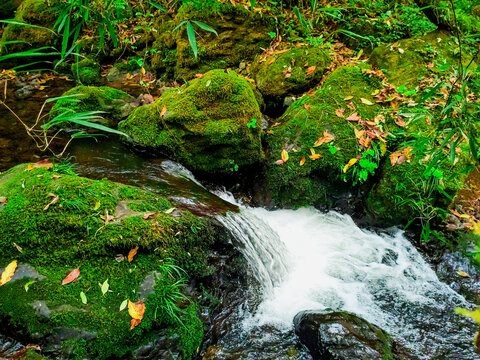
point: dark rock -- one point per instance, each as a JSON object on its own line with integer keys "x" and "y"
{"x": 332, "y": 335}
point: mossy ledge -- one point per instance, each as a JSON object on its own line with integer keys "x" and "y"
{"x": 70, "y": 233}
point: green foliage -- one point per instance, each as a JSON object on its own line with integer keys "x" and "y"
{"x": 366, "y": 166}
{"x": 191, "y": 32}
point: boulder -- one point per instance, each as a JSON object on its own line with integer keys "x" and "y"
{"x": 60, "y": 222}
{"x": 340, "y": 335}
{"x": 86, "y": 71}
{"x": 317, "y": 182}
{"x": 242, "y": 34}
{"x": 211, "y": 124}
{"x": 8, "y": 7}
{"x": 115, "y": 104}
{"x": 291, "y": 72}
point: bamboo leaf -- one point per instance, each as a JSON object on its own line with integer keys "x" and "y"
{"x": 191, "y": 38}
{"x": 205, "y": 27}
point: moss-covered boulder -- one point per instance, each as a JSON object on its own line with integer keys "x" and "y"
{"x": 52, "y": 222}
{"x": 410, "y": 189}
{"x": 115, "y": 104}
{"x": 290, "y": 72}
{"x": 242, "y": 35}
{"x": 317, "y": 182}
{"x": 86, "y": 71}
{"x": 407, "y": 62}
{"x": 8, "y": 7}
{"x": 211, "y": 124}
{"x": 42, "y": 14}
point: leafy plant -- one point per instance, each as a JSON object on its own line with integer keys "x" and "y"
{"x": 191, "y": 32}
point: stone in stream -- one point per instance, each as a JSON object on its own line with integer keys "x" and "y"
{"x": 211, "y": 124}
{"x": 340, "y": 335}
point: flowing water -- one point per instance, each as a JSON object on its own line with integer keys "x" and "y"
{"x": 309, "y": 260}
{"x": 303, "y": 259}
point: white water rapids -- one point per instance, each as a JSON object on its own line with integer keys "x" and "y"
{"x": 308, "y": 260}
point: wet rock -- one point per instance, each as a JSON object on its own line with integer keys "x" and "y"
{"x": 242, "y": 34}
{"x": 41, "y": 308}
{"x": 86, "y": 71}
{"x": 290, "y": 72}
{"x": 115, "y": 104}
{"x": 162, "y": 347}
{"x": 340, "y": 335}
{"x": 206, "y": 124}
{"x": 25, "y": 271}
{"x": 147, "y": 286}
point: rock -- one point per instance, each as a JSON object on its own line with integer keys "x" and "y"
{"x": 242, "y": 34}
{"x": 36, "y": 12}
{"x": 405, "y": 63}
{"x": 403, "y": 189}
{"x": 305, "y": 121}
{"x": 291, "y": 72}
{"x": 86, "y": 71}
{"x": 340, "y": 335}
{"x": 115, "y": 104}
{"x": 147, "y": 287}
{"x": 121, "y": 69}
{"x": 54, "y": 240}
{"x": 25, "y": 271}
{"x": 203, "y": 124}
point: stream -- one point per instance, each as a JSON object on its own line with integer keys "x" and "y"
{"x": 301, "y": 259}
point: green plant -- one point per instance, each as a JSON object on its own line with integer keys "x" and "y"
{"x": 191, "y": 32}
{"x": 252, "y": 124}
{"x": 366, "y": 166}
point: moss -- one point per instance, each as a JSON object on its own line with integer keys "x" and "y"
{"x": 8, "y": 7}
{"x": 205, "y": 123}
{"x": 86, "y": 71}
{"x": 271, "y": 77}
{"x": 305, "y": 121}
{"x": 114, "y": 103}
{"x": 241, "y": 36}
{"x": 406, "y": 192}
{"x": 36, "y": 12}
{"x": 70, "y": 234}
{"x": 406, "y": 63}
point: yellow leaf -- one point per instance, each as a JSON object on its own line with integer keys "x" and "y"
{"x": 164, "y": 110}
{"x": 475, "y": 314}
{"x": 302, "y": 161}
{"x": 348, "y": 98}
{"x": 462, "y": 273}
{"x": 284, "y": 155}
{"x": 365, "y": 101}
{"x": 350, "y": 163}
{"x": 136, "y": 310}
{"x": 8, "y": 272}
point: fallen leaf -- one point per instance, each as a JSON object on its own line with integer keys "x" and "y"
{"x": 349, "y": 164}
{"x": 401, "y": 51}
{"x": 307, "y": 106}
{"x": 151, "y": 215}
{"x": 302, "y": 161}
{"x": 314, "y": 155}
{"x": 119, "y": 257}
{"x": 462, "y": 273}
{"x": 104, "y": 287}
{"x": 136, "y": 311}
{"x": 142, "y": 70}
{"x": 131, "y": 254}
{"x": 107, "y": 218}
{"x": 348, "y": 98}
{"x": 169, "y": 211}
{"x": 164, "y": 110}
{"x": 3, "y": 201}
{"x": 310, "y": 70}
{"x": 394, "y": 157}
{"x": 400, "y": 122}
{"x": 74, "y": 274}
{"x": 351, "y": 106}
{"x": 83, "y": 297}
{"x": 134, "y": 323}
{"x": 27, "y": 285}
{"x": 46, "y": 163}
{"x": 123, "y": 305}
{"x": 276, "y": 124}
{"x": 325, "y": 139}
{"x": 284, "y": 155}
{"x": 279, "y": 162}
{"x": 199, "y": 76}
{"x": 55, "y": 177}
{"x": 18, "y": 247}
{"x": 340, "y": 112}
{"x": 354, "y": 117}
{"x": 365, "y": 101}
{"x": 97, "y": 205}
{"x": 8, "y": 272}
{"x": 54, "y": 200}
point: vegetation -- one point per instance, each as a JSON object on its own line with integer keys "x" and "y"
{"x": 367, "y": 107}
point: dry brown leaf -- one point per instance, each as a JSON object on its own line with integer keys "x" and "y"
{"x": 54, "y": 200}
{"x": 74, "y": 274}
{"x": 164, "y": 110}
{"x": 310, "y": 70}
{"x": 46, "y": 163}
{"x": 340, "y": 112}
{"x": 354, "y": 117}
{"x": 151, "y": 215}
{"x": 132, "y": 254}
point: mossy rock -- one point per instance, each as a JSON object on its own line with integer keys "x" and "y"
{"x": 287, "y": 73}
{"x": 41, "y": 13}
{"x": 406, "y": 191}
{"x": 206, "y": 124}
{"x": 305, "y": 121}
{"x": 70, "y": 233}
{"x": 242, "y": 35}
{"x": 407, "y": 62}
{"x": 8, "y": 7}
{"x": 116, "y": 104}
{"x": 86, "y": 71}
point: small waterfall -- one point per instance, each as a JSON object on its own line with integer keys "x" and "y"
{"x": 308, "y": 260}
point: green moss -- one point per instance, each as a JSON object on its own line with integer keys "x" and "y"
{"x": 316, "y": 182}
{"x": 205, "y": 124}
{"x": 242, "y": 36}
{"x": 70, "y": 234}
{"x": 86, "y": 71}
{"x": 114, "y": 103}
{"x": 271, "y": 77}
{"x": 36, "y": 12}
{"x": 8, "y": 7}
